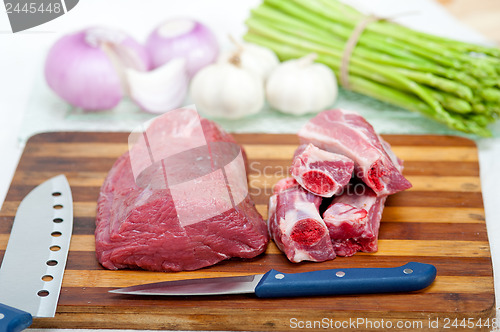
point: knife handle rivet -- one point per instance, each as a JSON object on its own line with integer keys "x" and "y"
{"x": 340, "y": 274}
{"x": 407, "y": 271}
{"x": 279, "y": 276}
{"x": 2, "y": 316}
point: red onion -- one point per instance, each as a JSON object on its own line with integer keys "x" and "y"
{"x": 84, "y": 68}
{"x": 183, "y": 38}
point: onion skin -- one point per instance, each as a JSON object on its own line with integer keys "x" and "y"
{"x": 84, "y": 76}
{"x": 198, "y": 46}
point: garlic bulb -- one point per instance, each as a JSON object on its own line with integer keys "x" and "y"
{"x": 224, "y": 90}
{"x": 301, "y": 86}
{"x": 254, "y": 58}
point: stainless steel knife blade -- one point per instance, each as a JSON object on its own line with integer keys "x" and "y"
{"x": 205, "y": 286}
{"x": 35, "y": 258}
{"x": 407, "y": 278}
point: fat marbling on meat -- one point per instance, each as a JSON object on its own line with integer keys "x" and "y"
{"x": 353, "y": 219}
{"x": 321, "y": 172}
{"x": 349, "y": 134}
{"x": 295, "y": 224}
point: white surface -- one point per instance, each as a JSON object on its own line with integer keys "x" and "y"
{"x": 22, "y": 56}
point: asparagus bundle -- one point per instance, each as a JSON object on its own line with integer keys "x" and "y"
{"x": 453, "y": 82}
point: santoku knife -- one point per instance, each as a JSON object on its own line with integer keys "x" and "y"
{"x": 409, "y": 277}
{"x": 34, "y": 260}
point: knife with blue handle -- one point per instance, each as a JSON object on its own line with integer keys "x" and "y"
{"x": 34, "y": 260}
{"x": 14, "y": 320}
{"x": 407, "y": 278}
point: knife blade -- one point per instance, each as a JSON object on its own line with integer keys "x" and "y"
{"x": 410, "y": 277}
{"x": 35, "y": 258}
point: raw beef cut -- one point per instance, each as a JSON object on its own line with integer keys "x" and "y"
{"x": 349, "y": 134}
{"x": 296, "y": 225}
{"x": 284, "y": 184}
{"x": 178, "y": 200}
{"x": 353, "y": 219}
{"x": 321, "y": 172}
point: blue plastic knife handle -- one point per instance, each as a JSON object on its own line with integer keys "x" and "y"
{"x": 409, "y": 277}
{"x": 13, "y": 320}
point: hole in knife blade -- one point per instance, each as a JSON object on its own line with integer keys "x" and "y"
{"x": 43, "y": 293}
{"x": 47, "y": 278}
{"x": 58, "y": 206}
{"x": 55, "y": 248}
{"x": 56, "y": 234}
{"x": 52, "y": 262}
{"x": 57, "y": 220}
{"x": 55, "y": 194}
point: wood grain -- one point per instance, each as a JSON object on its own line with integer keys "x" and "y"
{"x": 480, "y": 15}
{"x": 439, "y": 221}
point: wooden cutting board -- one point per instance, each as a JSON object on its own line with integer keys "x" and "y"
{"x": 439, "y": 221}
